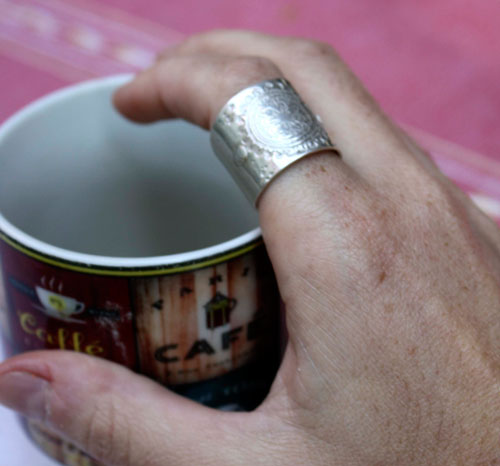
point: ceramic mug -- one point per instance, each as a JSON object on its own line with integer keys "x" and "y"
{"x": 132, "y": 243}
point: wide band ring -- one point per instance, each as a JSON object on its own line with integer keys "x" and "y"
{"x": 262, "y": 130}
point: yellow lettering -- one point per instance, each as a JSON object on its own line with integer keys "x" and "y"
{"x": 61, "y": 338}
{"x": 94, "y": 349}
{"x": 77, "y": 340}
{"x": 28, "y": 323}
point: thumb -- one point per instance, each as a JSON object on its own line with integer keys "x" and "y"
{"x": 116, "y": 416}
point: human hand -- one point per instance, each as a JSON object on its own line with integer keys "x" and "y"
{"x": 390, "y": 275}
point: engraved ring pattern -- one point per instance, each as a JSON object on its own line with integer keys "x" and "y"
{"x": 262, "y": 130}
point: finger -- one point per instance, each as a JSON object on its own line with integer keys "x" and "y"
{"x": 116, "y": 416}
{"x": 326, "y": 83}
{"x": 193, "y": 87}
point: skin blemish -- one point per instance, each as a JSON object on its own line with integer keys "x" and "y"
{"x": 389, "y": 308}
{"x": 382, "y": 277}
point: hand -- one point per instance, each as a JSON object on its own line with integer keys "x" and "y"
{"x": 390, "y": 275}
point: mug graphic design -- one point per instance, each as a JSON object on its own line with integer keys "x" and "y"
{"x": 57, "y": 305}
{"x": 218, "y": 310}
{"x": 159, "y": 264}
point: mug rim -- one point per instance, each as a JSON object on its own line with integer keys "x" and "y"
{"x": 110, "y": 265}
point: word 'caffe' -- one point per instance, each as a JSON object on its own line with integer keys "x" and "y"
{"x": 61, "y": 339}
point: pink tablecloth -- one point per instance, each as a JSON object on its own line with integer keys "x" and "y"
{"x": 433, "y": 64}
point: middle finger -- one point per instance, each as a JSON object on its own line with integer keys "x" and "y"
{"x": 368, "y": 140}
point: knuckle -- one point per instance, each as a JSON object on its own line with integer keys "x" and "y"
{"x": 250, "y": 68}
{"x": 162, "y": 55}
{"x": 442, "y": 196}
{"x": 192, "y": 43}
{"x": 311, "y": 48}
{"x": 107, "y": 435}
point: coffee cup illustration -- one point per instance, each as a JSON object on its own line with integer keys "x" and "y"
{"x": 57, "y": 305}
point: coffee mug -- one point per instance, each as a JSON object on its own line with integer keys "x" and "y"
{"x": 132, "y": 243}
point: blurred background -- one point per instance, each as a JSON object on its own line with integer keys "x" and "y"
{"x": 432, "y": 64}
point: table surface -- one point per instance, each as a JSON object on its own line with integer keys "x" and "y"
{"x": 432, "y": 64}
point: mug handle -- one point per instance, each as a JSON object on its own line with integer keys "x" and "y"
{"x": 80, "y": 307}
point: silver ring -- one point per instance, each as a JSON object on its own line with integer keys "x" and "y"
{"x": 262, "y": 130}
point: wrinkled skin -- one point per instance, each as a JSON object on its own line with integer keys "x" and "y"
{"x": 390, "y": 275}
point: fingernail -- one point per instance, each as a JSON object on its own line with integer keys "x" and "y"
{"x": 24, "y": 393}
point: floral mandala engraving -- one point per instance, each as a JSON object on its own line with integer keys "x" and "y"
{"x": 263, "y": 129}
{"x": 278, "y": 120}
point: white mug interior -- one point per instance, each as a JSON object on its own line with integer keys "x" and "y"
{"x": 76, "y": 176}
